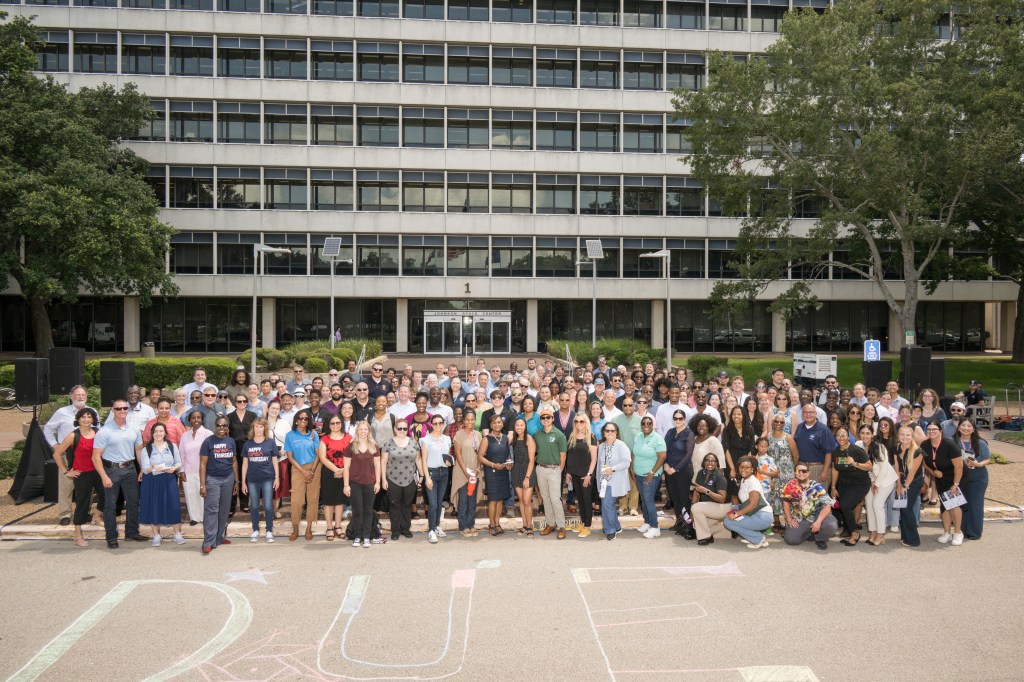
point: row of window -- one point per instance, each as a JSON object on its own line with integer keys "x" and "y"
{"x": 332, "y": 60}
{"x": 720, "y": 15}
{"x": 390, "y": 126}
{"x": 301, "y": 189}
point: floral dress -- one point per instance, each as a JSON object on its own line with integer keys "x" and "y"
{"x": 779, "y": 451}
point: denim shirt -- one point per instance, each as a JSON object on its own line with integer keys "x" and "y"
{"x": 166, "y": 457}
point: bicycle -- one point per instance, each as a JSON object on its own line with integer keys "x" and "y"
{"x": 9, "y": 402}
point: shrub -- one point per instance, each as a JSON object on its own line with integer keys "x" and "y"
{"x": 7, "y": 375}
{"x": 315, "y": 365}
{"x": 9, "y": 460}
{"x": 616, "y": 351}
{"x": 169, "y": 372}
{"x": 704, "y": 366}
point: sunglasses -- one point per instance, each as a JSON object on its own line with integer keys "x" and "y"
{"x": 120, "y": 409}
{"x": 641, "y": 402}
{"x": 241, "y": 402}
{"x": 209, "y": 395}
{"x": 646, "y": 423}
{"x": 803, "y": 471}
{"x": 627, "y": 404}
{"x": 302, "y": 419}
{"x": 547, "y": 418}
{"x": 608, "y": 431}
{"x": 678, "y": 419}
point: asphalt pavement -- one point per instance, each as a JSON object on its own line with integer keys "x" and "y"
{"x": 514, "y": 608}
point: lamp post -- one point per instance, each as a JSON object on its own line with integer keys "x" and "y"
{"x": 667, "y": 255}
{"x": 595, "y": 252}
{"x": 257, "y": 250}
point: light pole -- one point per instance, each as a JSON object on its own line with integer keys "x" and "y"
{"x": 667, "y": 255}
{"x": 257, "y": 250}
{"x": 332, "y": 247}
{"x": 595, "y": 252}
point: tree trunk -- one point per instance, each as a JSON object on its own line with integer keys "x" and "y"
{"x": 1018, "y": 326}
{"x": 908, "y": 311}
{"x": 41, "y": 330}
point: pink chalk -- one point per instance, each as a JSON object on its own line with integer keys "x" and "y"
{"x": 463, "y": 578}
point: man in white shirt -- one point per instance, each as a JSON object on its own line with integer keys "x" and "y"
{"x": 139, "y": 413}
{"x": 403, "y": 407}
{"x": 198, "y": 382}
{"x": 738, "y": 387}
{"x": 287, "y": 408}
{"x": 700, "y": 397}
{"x": 663, "y": 422}
{"x": 893, "y": 389}
{"x": 437, "y": 407}
{"x": 55, "y": 431}
{"x": 608, "y": 405}
{"x": 831, "y": 384}
{"x": 807, "y": 398}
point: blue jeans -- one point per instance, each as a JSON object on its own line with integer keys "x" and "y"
{"x": 216, "y": 506}
{"x": 511, "y": 501}
{"x": 910, "y": 516}
{"x": 647, "y": 491}
{"x": 439, "y": 476}
{"x": 467, "y": 507}
{"x": 974, "y": 517}
{"x": 125, "y": 480}
{"x": 750, "y": 526}
{"x": 610, "y": 513}
{"x": 261, "y": 490}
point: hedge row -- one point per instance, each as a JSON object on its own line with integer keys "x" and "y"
{"x": 315, "y": 356}
{"x": 615, "y": 351}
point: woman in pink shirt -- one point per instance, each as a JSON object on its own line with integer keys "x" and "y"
{"x": 188, "y": 449}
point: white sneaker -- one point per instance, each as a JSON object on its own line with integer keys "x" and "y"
{"x": 366, "y": 542}
{"x": 356, "y": 542}
{"x": 347, "y": 514}
{"x": 156, "y": 540}
{"x": 432, "y": 537}
{"x": 958, "y": 539}
{"x": 894, "y": 529}
{"x": 255, "y": 536}
{"x": 760, "y": 545}
{"x": 744, "y": 541}
{"x": 270, "y": 536}
{"x": 440, "y": 532}
{"x": 945, "y": 538}
{"x": 661, "y": 514}
{"x": 652, "y": 533}
{"x": 644, "y": 528}
{"x": 179, "y": 539}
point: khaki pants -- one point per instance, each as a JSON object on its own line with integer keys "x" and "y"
{"x": 65, "y": 493}
{"x": 708, "y": 518}
{"x": 308, "y": 493}
{"x": 549, "y": 482}
{"x": 630, "y": 500}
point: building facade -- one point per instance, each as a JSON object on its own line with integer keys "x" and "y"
{"x": 464, "y": 152}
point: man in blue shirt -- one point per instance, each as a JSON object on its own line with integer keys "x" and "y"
{"x": 115, "y": 452}
{"x": 815, "y": 443}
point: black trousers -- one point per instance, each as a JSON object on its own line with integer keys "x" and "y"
{"x": 361, "y": 501}
{"x": 585, "y": 497}
{"x": 678, "y": 485}
{"x": 400, "y": 499}
{"x": 87, "y": 483}
{"x": 850, "y": 495}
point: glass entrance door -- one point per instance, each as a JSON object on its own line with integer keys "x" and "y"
{"x": 477, "y": 332}
{"x": 491, "y": 336}
{"x": 442, "y": 337}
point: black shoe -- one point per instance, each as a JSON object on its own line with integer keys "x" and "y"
{"x": 193, "y": 523}
{"x": 735, "y": 535}
{"x": 406, "y": 533}
{"x": 112, "y": 544}
{"x": 610, "y": 536}
{"x": 66, "y": 521}
{"x": 706, "y": 541}
{"x": 689, "y": 533}
{"x": 395, "y": 536}
{"x": 821, "y": 544}
{"x": 138, "y": 538}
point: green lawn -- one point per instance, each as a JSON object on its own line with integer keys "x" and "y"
{"x": 993, "y": 373}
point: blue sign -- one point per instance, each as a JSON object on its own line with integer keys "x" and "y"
{"x": 872, "y": 350}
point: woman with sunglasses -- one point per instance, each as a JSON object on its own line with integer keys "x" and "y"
{"x": 362, "y": 472}
{"x": 494, "y": 456}
{"x": 300, "y": 447}
{"x": 468, "y": 468}
{"x": 752, "y": 515}
{"x": 679, "y": 471}
{"x": 400, "y": 462}
{"x": 218, "y": 476}
{"x": 782, "y": 448}
{"x": 580, "y": 463}
{"x": 709, "y": 503}
{"x": 854, "y": 418}
{"x": 613, "y": 462}
{"x": 435, "y": 452}
{"x": 331, "y": 453}
{"x": 260, "y": 476}
{"x": 783, "y": 407}
{"x": 909, "y": 462}
{"x": 648, "y": 457}
{"x": 524, "y": 478}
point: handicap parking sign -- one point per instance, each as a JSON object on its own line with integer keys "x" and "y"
{"x": 872, "y": 350}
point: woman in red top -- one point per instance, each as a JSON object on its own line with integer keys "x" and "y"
{"x": 82, "y": 470}
{"x": 332, "y": 480}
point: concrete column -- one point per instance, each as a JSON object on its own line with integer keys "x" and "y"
{"x": 268, "y": 332}
{"x": 778, "y": 333}
{"x": 132, "y": 325}
{"x": 531, "y": 325}
{"x": 1007, "y": 314}
{"x": 402, "y": 325}
{"x": 657, "y": 323}
{"x": 895, "y": 332}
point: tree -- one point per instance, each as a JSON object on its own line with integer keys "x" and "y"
{"x": 75, "y": 212}
{"x": 863, "y": 119}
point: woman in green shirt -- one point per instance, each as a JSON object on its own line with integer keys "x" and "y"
{"x": 648, "y": 455}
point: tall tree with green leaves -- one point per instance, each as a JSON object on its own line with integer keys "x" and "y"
{"x": 76, "y": 215}
{"x": 871, "y": 120}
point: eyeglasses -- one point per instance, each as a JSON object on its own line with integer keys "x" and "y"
{"x": 120, "y": 409}
{"x": 302, "y": 419}
{"x": 438, "y": 423}
{"x": 401, "y": 428}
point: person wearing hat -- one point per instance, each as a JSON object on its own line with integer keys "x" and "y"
{"x": 300, "y": 398}
{"x": 957, "y": 413}
{"x": 974, "y": 395}
{"x": 208, "y": 407}
{"x": 550, "y": 462}
{"x": 597, "y": 390}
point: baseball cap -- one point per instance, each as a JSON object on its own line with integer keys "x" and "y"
{"x": 975, "y": 382}
{"x": 299, "y": 392}
{"x": 916, "y": 406}
{"x": 958, "y": 404}
{"x": 599, "y": 380}
{"x": 723, "y": 373}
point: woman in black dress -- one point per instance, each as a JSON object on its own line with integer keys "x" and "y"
{"x": 850, "y": 483}
{"x": 495, "y": 457}
{"x": 524, "y": 478}
{"x": 580, "y": 462}
{"x": 332, "y": 479}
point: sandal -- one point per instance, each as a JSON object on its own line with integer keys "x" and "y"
{"x": 492, "y": 530}
{"x": 330, "y": 533}
{"x": 520, "y": 531}
{"x": 852, "y": 540}
{"x": 81, "y": 542}
{"x": 499, "y": 530}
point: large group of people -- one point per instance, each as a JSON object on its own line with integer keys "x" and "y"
{"x": 801, "y": 463}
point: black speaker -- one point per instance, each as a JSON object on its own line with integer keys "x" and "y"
{"x": 32, "y": 381}
{"x": 915, "y": 368}
{"x": 115, "y": 378}
{"x": 877, "y": 373}
{"x": 67, "y": 369}
{"x": 937, "y": 377}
